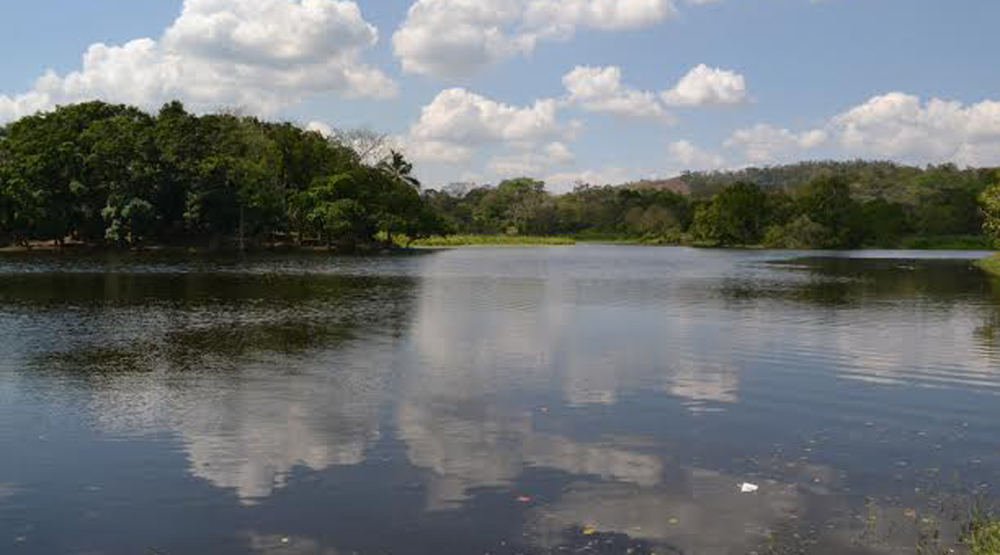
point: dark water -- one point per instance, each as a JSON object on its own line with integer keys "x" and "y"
{"x": 567, "y": 400}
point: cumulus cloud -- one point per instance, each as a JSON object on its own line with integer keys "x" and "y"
{"x": 705, "y": 85}
{"x": 257, "y": 54}
{"x": 765, "y": 144}
{"x": 458, "y": 120}
{"x": 901, "y": 126}
{"x": 454, "y": 38}
{"x": 324, "y": 129}
{"x": 600, "y": 89}
{"x": 896, "y": 125}
{"x": 532, "y": 161}
{"x": 689, "y": 157}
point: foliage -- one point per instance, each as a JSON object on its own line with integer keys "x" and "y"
{"x": 735, "y": 216}
{"x": 827, "y": 201}
{"x": 991, "y": 265}
{"x": 982, "y": 534}
{"x": 990, "y": 200}
{"x": 810, "y": 205}
{"x": 802, "y": 233}
{"x": 113, "y": 175}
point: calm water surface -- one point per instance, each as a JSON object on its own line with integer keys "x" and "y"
{"x": 587, "y": 399}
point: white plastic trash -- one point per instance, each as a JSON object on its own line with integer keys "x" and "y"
{"x": 749, "y": 488}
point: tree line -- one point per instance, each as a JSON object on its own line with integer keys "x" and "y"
{"x": 807, "y": 206}
{"x": 113, "y": 175}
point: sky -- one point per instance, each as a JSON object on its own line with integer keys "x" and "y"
{"x": 568, "y": 91}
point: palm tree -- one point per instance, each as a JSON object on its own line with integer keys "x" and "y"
{"x": 399, "y": 169}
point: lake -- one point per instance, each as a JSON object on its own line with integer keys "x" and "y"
{"x": 588, "y": 399}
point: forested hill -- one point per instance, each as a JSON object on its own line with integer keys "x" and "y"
{"x": 868, "y": 179}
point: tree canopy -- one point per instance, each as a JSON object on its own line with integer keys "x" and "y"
{"x": 111, "y": 174}
{"x": 808, "y": 205}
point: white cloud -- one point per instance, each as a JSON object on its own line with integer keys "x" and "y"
{"x": 765, "y": 144}
{"x": 434, "y": 151}
{"x": 452, "y": 38}
{"x": 901, "y": 126}
{"x": 600, "y": 89}
{"x": 532, "y": 161}
{"x": 705, "y": 85}
{"x": 559, "y": 153}
{"x": 319, "y": 127}
{"x": 566, "y": 180}
{"x": 895, "y": 126}
{"x": 562, "y": 17}
{"x": 260, "y": 55}
{"x": 458, "y": 120}
{"x": 689, "y": 157}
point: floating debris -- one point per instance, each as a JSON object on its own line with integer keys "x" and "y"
{"x": 749, "y": 488}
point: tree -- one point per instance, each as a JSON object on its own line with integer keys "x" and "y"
{"x": 827, "y": 201}
{"x": 103, "y": 173}
{"x": 885, "y": 223}
{"x": 371, "y": 146}
{"x": 990, "y": 201}
{"x": 735, "y": 216}
{"x": 399, "y": 169}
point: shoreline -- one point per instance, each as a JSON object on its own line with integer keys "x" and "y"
{"x": 990, "y": 265}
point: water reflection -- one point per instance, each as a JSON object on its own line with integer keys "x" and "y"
{"x": 254, "y": 380}
{"x": 592, "y": 400}
{"x": 481, "y": 448}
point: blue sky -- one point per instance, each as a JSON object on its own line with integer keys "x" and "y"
{"x": 915, "y": 81}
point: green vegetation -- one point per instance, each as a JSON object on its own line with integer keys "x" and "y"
{"x": 991, "y": 265}
{"x": 835, "y": 205}
{"x": 983, "y": 537}
{"x": 990, "y": 200}
{"x": 493, "y": 240}
{"x": 112, "y": 175}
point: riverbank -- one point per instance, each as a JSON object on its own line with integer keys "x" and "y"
{"x": 493, "y": 241}
{"x": 84, "y": 249}
{"x": 955, "y": 243}
{"x": 991, "y": 265}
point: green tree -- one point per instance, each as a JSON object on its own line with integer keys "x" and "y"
{"x": 827, "y": 201}
{"x": 401, "y": 171}
{"x": 990, "y": 201}
{"x": 735, "y": 216}
{"x": 885, "y": 223}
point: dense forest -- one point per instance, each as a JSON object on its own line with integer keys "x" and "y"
{"x": 113, "y": 175}
{"x": 808, "y": 205}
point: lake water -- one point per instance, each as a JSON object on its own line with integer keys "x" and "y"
{"x": 589, "y": 399}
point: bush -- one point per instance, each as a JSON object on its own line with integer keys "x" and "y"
{"x": 802, "y": 234}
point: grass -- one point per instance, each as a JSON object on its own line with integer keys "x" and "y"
{"x": 493, "y": 240}
{"x": 983, "y": 537}
{"x": 949, "y": 242}
{"x": 991, "y": 265}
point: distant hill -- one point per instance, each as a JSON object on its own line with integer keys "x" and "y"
{"x": 677, "y": 185}
{"x": 868, "y": 179}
